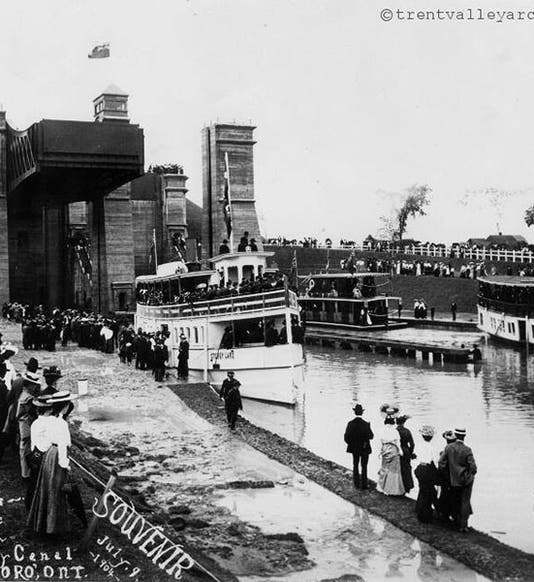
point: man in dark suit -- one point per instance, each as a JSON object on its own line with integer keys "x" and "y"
{"x": 457, "y": 461}
{"x": 357, "y": 436}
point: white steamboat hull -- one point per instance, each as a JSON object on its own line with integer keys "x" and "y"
{"x": 273, "y": 374}
{"x": 503, "y": 326}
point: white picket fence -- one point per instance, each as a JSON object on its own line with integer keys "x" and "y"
{"x": 522, "y": 256}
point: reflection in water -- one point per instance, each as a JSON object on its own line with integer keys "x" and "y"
{"x": 343, "y": 540}
{"x": 493, "y": 400}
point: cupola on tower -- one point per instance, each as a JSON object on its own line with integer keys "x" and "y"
{"x": 112, "y": 105}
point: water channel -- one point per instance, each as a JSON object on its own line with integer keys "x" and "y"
{"x": 493, "y": 400}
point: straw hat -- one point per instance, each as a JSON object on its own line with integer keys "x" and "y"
{"x": 61, "y": 396}
{"x": 41, "y": 402}
{"x": 31, "y": 377}
{"x": 427, "y": 430}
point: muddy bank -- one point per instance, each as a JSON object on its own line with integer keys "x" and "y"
{"x": 174, "y": 466}
{"x": 477, "y": 550}
{"x": 27, "y": 556}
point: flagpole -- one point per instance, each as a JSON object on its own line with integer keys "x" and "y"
{"x": 229, "y": 202}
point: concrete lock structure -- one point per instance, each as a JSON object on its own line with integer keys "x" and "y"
{"x": 80, "y": 218}
{"x": 44, "y": 170}
{"x": 235, "y": 141}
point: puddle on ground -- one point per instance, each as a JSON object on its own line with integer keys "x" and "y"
{"x": 341, "y": 538}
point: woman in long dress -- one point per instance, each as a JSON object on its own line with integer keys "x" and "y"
{"x": 40, "y": 443}
{"x": 389, "y": 475}
{"x": 48, "y": 512}
{"x": 407, "y": 446}
{"x": 427, "y": 475}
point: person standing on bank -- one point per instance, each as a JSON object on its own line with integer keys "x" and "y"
{"x": 427, "y": 476}
{"x": 454, "y": 309}
{"x": 48, "y": 511}
{"x": 389, "y": 475}
{"x": 183, "y": 357}
{"x": 358, "y": 435}
{"x": 232, "y": 398}
{"x": 444, "y": 503}
{"x": 407, "y": 447}
{"x": 458, "y": 462}
{"x": 25, "y": 415}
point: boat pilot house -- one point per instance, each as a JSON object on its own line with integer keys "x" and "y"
{"x": 349, "y": 299}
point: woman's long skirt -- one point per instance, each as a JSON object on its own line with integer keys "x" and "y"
{"x": 389, "y": 476}
{"x": 406, "y": 472}
{"x": 48, "y": 512}
{"x": 426, "y": 499}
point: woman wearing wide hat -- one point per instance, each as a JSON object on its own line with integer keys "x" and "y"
{"x": 51, "y": 375}
{"x": 48, "y": 512}
{"x": 389, "y": 475}
{"x": 39, "y": 443}
{"x": 427, "y": 475}
{"x": 25, "y": 415}
{"x": 407, "y": 447}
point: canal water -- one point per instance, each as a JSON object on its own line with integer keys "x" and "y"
{"x": 493, "y": 400}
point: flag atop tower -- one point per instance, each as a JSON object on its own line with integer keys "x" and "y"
{"x": 227, "y": 208}
{"x": 100, "y": 51}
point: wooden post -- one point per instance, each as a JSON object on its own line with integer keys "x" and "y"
{"x": 94, "y": 521}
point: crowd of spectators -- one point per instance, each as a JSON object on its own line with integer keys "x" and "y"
{"x": 409, "y": 246}
{"x": 43, "y": 329}
{"x": 471, "y": 270}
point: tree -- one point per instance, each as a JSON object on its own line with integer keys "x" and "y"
{"x": 529, "y": 216}
{"x": 412, "y": 203}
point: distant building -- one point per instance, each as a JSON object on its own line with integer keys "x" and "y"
{"x": 511, "y": 242}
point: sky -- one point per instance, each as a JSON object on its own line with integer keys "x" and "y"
{"x": 350, "y": 109}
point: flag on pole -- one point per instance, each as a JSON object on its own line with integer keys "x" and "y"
{"x": 327, "y": 266}
{"x": 100, "y": 51}
{"x": 227, "y": 205}
{"x": 153, "y": 257}
{"x": 294, "y": 278}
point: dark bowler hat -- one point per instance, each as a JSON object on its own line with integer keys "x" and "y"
{"x": 52, "y": 371}
{"x": 32, "y": 365}
{"x": 358, "y": 409}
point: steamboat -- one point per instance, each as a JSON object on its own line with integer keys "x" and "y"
{"x": 349, "y": 300}
{"x": 505, "y": 307}
{"x": 252, "y": 328}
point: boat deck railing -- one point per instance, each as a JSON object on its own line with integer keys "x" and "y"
{"x": 344, "y": 311}
{"x": 507, "y": 307}
{"x": 259, "y": 302}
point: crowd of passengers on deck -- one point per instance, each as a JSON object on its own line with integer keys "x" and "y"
{"x": 517, "y": 294}
{"x": 152, "y": 295}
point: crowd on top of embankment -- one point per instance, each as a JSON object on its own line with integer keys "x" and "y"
{"x": 370, "y": 244}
